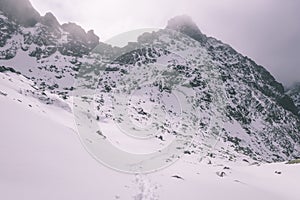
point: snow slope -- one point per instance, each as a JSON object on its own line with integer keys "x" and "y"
{"x": 41, "y": 157}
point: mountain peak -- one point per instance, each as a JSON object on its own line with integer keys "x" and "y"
{"x": 182, "y": 21}
{"x": 184, "y": 24}
{"x": 78, "y": 33}
{"x": 23, "y": 13}
{"x": 50, "y": 20}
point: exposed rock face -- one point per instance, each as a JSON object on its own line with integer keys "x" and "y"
{"x": 92, "y": 38}
{"x": 294, "y": 93}
{"x": 50, "y": 20}
{"x": 79, "y": 34}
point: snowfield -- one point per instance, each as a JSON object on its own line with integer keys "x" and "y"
{"x": 41, "y": 157}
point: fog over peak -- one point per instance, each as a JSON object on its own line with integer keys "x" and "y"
{"x": 181, "y": 21}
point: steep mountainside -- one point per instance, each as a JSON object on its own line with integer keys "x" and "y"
{"x": 294, "y": 93}
{"x": 237, "y": 101}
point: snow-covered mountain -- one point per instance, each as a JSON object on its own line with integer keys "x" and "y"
{"x": 241, "y": 117}
{"x": 258, "y": 119}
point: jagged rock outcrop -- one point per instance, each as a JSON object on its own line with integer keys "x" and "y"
{"x": 69, "y": 39}
{"x": 50, "y": 20}
{"x": 78, "y": 34}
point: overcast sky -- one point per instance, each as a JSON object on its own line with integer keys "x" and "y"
{"x": 268, "y": 31}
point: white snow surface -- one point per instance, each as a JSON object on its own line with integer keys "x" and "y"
{"x": 41, "y": 157}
